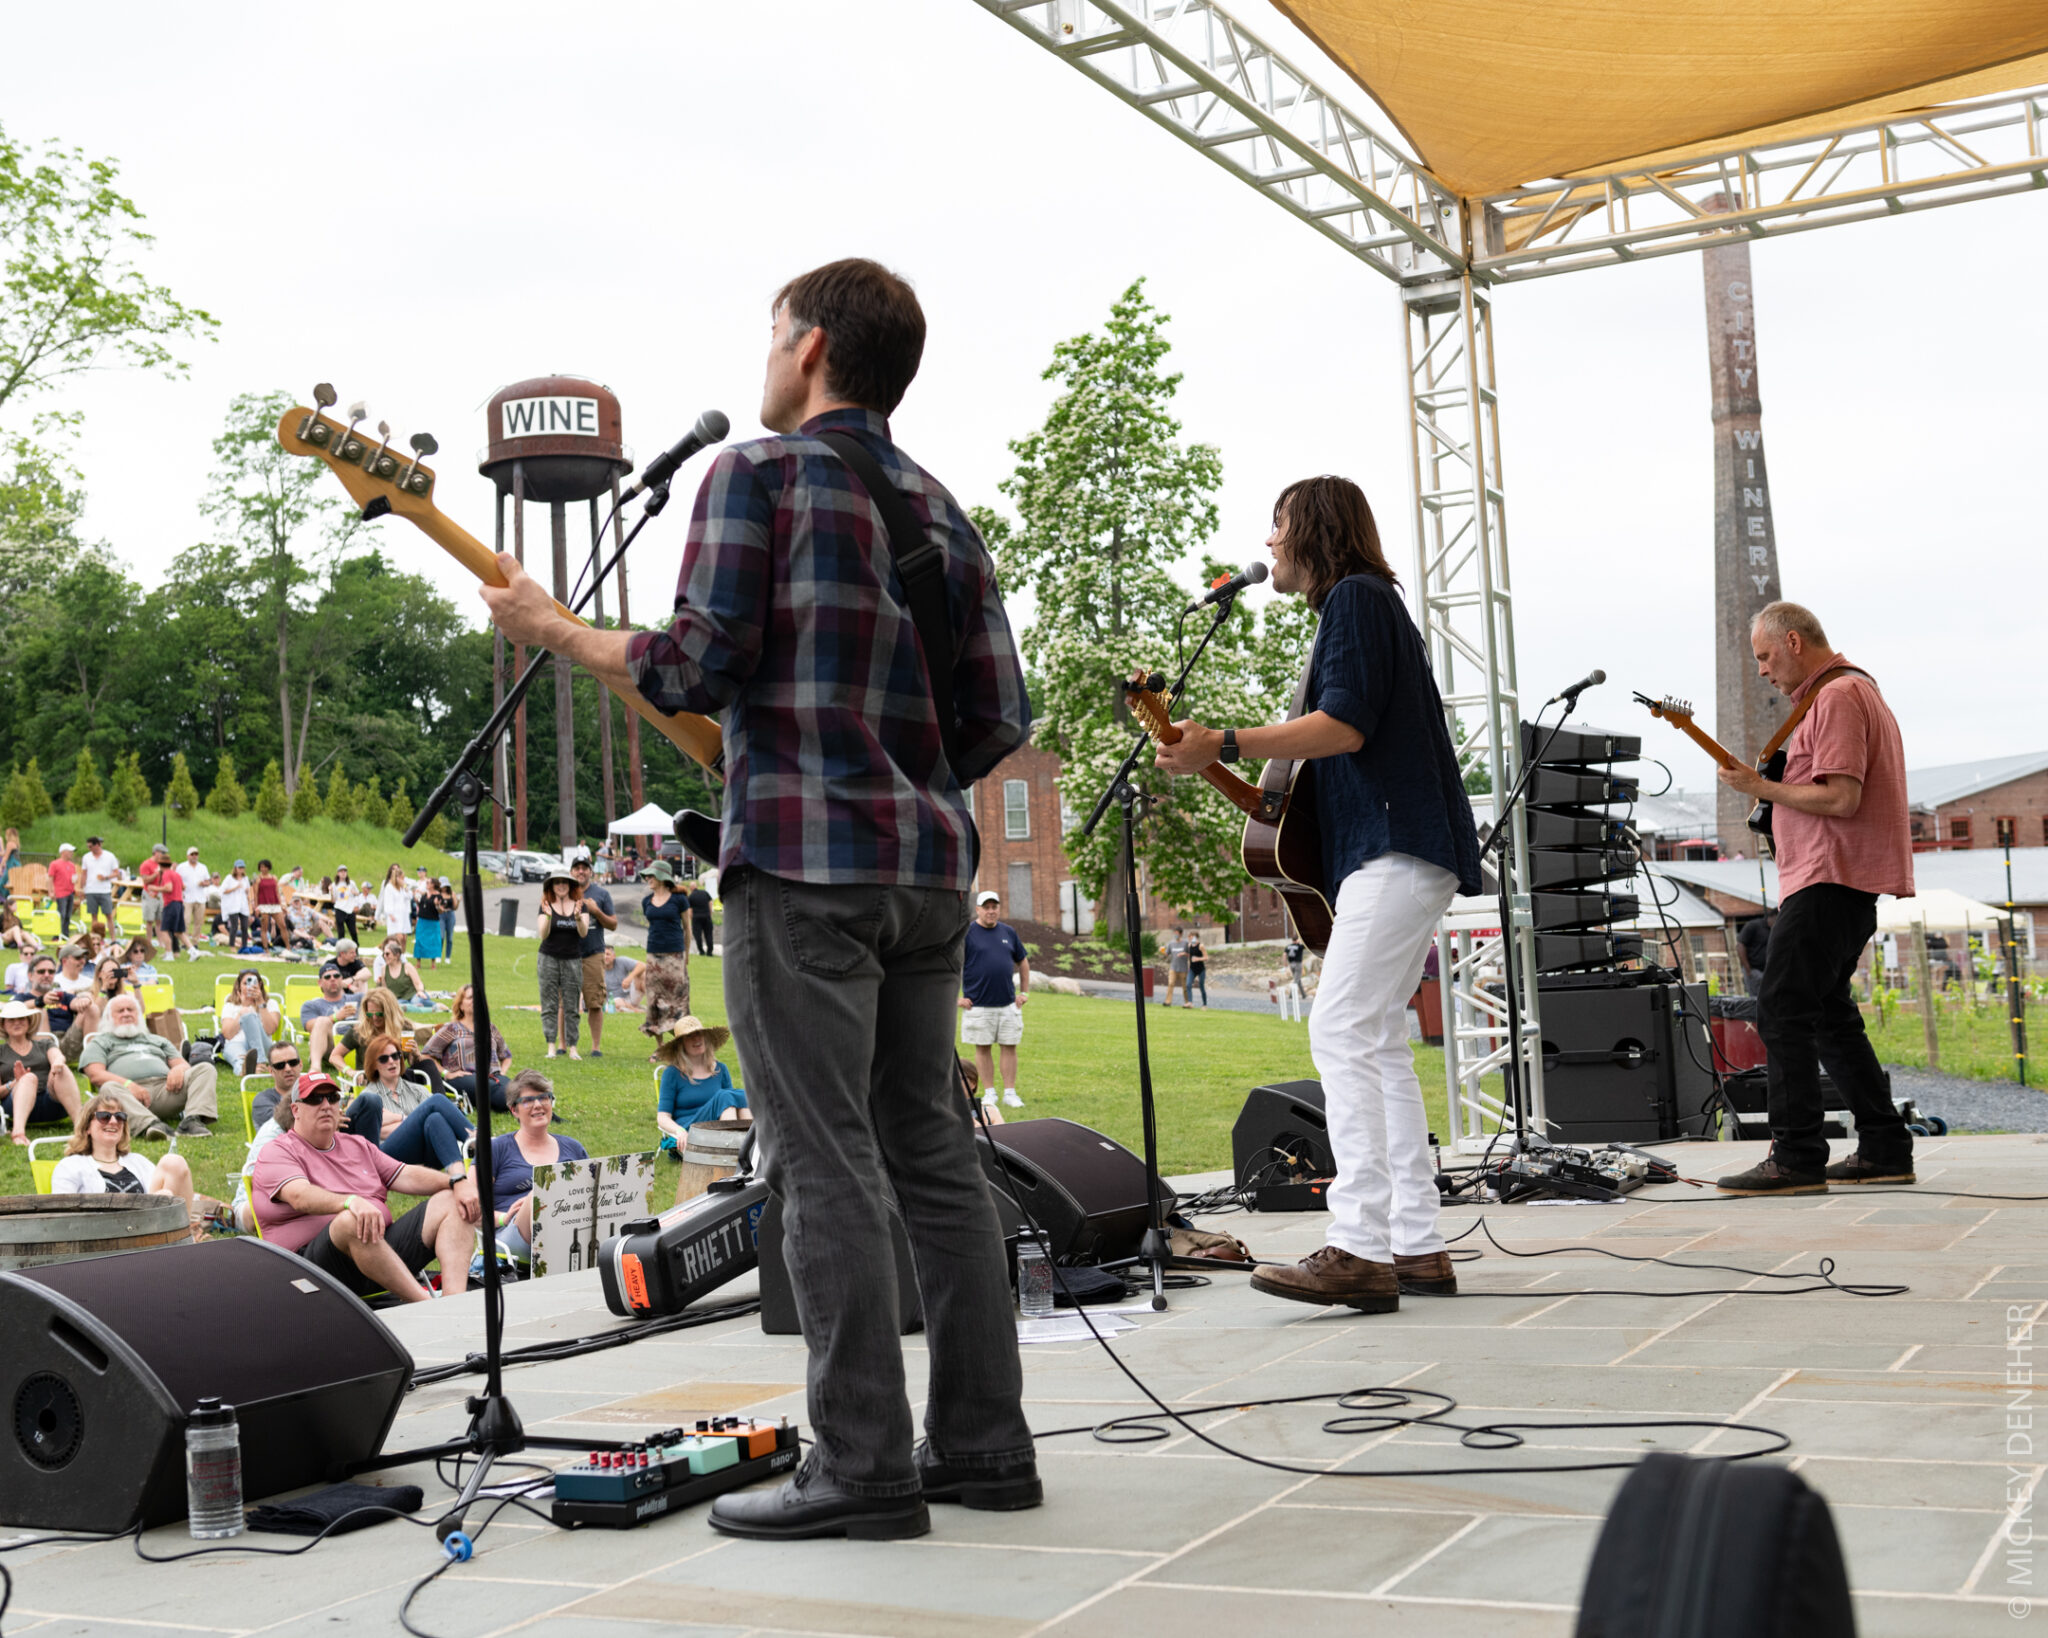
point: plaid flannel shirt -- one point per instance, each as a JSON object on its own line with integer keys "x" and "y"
{"x": 783, "y": 623}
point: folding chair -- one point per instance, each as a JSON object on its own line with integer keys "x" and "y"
{"x": 128, "y": 918}
{"x": 44, "y": 1170}
{"x": 251, "y": 1085}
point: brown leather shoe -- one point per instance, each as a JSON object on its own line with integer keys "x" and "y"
{"x": 1331, "y": 1276}
{"x": 1429, "y": 1275}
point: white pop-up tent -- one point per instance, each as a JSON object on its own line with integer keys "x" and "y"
{"x": 1938, "y": 909}
{"x": 651, "y": 820}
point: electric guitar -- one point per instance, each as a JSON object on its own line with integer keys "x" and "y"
{"x": 1282, "y": 846}
{"x": 381, "y": 481}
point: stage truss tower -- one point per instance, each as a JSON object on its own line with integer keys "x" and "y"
{"x": 1194, "y": 69}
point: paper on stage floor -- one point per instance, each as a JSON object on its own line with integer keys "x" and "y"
{"x": 1071, "y": 1327}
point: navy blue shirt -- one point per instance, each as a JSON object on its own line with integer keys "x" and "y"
{"x": 512, "y": 1172}
{"x": 665, "y": 924}
{"x": 1399, "y": 792}
{"x": 988, "y": 967}
{"x": 593, "y": 941}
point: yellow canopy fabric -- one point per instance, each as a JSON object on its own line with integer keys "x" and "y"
{"x": 1496, "y": 94}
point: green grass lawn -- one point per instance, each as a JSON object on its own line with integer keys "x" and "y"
{"x": 1975, "y": 1041}
{"x": 368, "y": 850}
{"x": 1079, "y": 1060}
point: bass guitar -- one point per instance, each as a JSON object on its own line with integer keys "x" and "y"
{"x": 1282, "y": 847}
{"x": 381, "y": 481}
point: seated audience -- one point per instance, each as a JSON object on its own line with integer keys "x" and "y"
{"x": 270, "y": 1112}
{"x": 354, "y": 974}
{"x": 453, "y": 1047}
{"x": 98, "y": 1160}
{"x": 970, "y": 1083}
{"x": 619, "y": 986}
{"x": 320, "y": 1015}
{"x": 397, "y": 972}
{"x": 694, "y": 1085}
{"x": 422, "y": 1126}
{"x": 148, "y": 1074}
{"x": 40, "y": 1085}
{"x": 514, "y": 1155}
{"x": 379, "y": 1013}
{"x": 249, "y": 1021}
{"x": 324, "y": 1194}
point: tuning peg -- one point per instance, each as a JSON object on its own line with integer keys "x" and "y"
{"x": 381, "y": 465}
{"x": 349, "y": 449}
{"x": 313, "y": 429}
{"x": 414, "y": 481}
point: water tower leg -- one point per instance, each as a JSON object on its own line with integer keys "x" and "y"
{"x": 633, "y": 774}
{"x": 565, "y": 699}
{"x": 519, "y": 664}
{"x": 604, "y": 694}
{"x": 500, "y": 781}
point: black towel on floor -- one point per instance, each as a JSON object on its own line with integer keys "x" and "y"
{"x": 309, "y": 1515}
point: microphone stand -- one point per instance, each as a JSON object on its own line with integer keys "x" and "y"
{"x": 495, "y": 1430}
{"x": 1155, "y": 1249}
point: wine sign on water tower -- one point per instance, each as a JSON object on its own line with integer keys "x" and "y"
{"x": 556, "y": 439}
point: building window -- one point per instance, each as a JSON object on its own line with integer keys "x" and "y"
{"x": 2008, "y": 832}
{"x": 1016, "y": 809}
{"x": 1959, "y": 830}
{"x": 1018, "y": 904}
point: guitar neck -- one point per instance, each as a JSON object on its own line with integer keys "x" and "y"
{"x": 1706, "y": 742}
{"x": 1241, "y": 794}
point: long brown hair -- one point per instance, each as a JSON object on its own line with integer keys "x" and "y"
{"x": 81, "y": 1134}
{"x": 373, "y": 1049}
{"x": 381, "y": 1012}
{"x": 1327, "y": 530}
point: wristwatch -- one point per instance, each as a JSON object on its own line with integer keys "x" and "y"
{"x": 1229, "y": 753}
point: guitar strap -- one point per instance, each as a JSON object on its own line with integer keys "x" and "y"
{"x": 1278, "y": 779}
{"x": 922, "y": 565}
{"x": 1785, "y": 728}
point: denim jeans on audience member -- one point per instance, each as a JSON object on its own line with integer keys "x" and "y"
{"x": 249, "y": 1039}
{"x": 466, "y": 1085}
{"x": 843, "y": 1000}
{"x": 431, "y": 1135}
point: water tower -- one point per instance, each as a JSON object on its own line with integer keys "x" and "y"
{"x": 556, "y": 439}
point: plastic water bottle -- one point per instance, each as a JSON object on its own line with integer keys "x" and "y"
{"x": 1034, "y": 1280}
{"x": 213, "y": 1471}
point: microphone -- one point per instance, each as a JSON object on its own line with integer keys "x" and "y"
{"x": 1570, "y": 696}
{"x": 711, "y": 427}
{"x": 1224, "y": 590}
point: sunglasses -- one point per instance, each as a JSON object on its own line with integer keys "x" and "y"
{"x": 325, "y": 1095}
{"x": 285, "y": 1063}
{"x": 112, "y": 1117}
{"x": 387, "y": 1057}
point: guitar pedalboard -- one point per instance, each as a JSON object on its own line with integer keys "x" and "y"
{"x": 671, "y": 1470}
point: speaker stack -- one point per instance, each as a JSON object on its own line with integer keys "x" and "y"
{"x": 1580, "y": 847}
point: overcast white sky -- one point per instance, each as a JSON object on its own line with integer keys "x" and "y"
{"x": 421, "y": 206}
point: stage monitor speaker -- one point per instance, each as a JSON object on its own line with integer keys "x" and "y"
{"x": 1626, "y": 1064}
{"x": 1551, "y": 787}
{"x": 1573, "y": 827}
{"x": 106, "y": 1357}
{"x": 1580, "y": 745}
{"x": 1086, "y": 1191}
{"x": 1567, "y": 868}
{"x": 1282, "y": 1130}
{"x": 778, "y": 1296}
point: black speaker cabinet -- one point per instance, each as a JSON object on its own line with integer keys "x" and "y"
{"x": 1625, "y": 1064}
{"x": 105, "y": 1358}
{"x": 1086, "y": 1191}
{"x": 778, "y": 1296}
{"x": 1281, "y": 1133}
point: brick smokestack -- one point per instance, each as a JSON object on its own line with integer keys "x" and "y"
{"x": 1747, "y": 709}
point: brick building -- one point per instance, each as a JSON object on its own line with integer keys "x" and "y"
{"x": 1981, "y": 804}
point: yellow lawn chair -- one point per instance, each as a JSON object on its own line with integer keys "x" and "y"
{"x": 44, "y": 1170}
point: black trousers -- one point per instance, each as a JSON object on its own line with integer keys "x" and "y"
{"x": 700, "y": 928}
{"x": 1809, "y": 1021}
{"x": 345, "y": 925}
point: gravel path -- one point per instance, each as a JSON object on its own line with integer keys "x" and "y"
{"x": 1973, "y": 1106}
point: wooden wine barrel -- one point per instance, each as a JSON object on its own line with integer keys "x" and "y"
{"x": 60, "y": 1228}
{"x": 712, "y": 1152}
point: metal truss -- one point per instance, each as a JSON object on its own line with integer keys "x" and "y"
{"x": 1191, "y": 67}
{"x": 1465, "y": 606}
{"x": 1961, "y": 152}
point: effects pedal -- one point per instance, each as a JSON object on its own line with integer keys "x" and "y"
{"x": 674, "y": 1469}
{"x": 1581, "y": 1174}
{"x": 1302, "y": 1194}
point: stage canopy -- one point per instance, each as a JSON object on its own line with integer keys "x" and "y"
{"x": 1494, "y": 94}
{"x": 652, "y": 820}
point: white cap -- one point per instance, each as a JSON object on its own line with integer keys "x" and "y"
{"x": 66, "y": 847}
{"x": 989, "y": 896}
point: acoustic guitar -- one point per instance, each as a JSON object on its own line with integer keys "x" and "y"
{"x": 380, "y": 481}
{"x": 1282, "y": 847}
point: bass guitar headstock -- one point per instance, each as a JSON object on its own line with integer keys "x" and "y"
{"x": 378, "y": 478}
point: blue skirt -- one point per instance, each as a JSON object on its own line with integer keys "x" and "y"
{"x": 426, "y": 939}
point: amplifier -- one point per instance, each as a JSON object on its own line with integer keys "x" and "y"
{"x": 1567, "y": 827}
{"x": 1623, "y": 1063}
{"x": 1557, "y": 951}
{"x": 1749, "y": 1091}
{"x": 1581, "y": 745}
{"x": 1551, "y": 867}
{"x": 1552, "y": 910}
{"x": 1577, "y": 788}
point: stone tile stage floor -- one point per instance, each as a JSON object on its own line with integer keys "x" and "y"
{"x": 1896, "y": 1408}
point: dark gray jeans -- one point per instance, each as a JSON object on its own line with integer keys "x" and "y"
{"x": 843, "y": 999}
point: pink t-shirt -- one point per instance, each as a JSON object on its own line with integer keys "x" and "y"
{"x": 1850, "y": 732}
{"x": 354, "y": 1165}
{"x": 63, "y": 877}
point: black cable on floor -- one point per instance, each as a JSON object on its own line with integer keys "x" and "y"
{"x": 540, "y": 1353}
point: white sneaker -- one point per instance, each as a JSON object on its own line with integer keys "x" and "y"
{"x": 1010, "y": 1098}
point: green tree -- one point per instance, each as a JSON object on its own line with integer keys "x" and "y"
{"x": 17, "y": 802}
{"x": 181, "y": 796}
{"x": 123, "y": 801}
{"x": 1109, "y": 498}
{"x": 435, "y": 835}
{"x": 136, "y": 782}
{"x": 306, "y": 804}
{"x": 227, "y": 798}
{"x": 341, "y": 797}
{"x": 87, "y": 794}
{"x": 371, "y": 808}
{"x": 401, "y": 809}
{"x": 271, "y": 802}
{"x": 37, "y": 790}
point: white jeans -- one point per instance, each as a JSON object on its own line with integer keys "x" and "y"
{"x": 1384, "y": 1200}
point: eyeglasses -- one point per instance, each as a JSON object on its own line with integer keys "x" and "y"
{"x": 285, "y": 1063}
{"x": 538, "y": 1097}
{"x": 42, "y": 972}
{"x": 112, "y": 1117}
{"x": 324, "y": 1095}
{"x": 387, "y": 1057}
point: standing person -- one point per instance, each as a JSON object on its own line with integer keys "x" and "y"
{"x": 995, "y": 982}
{"x": 597, "y": 904}
{"x": 64, "y": 886}
{"x": 1842, "y": 837}
{"x": 447, "y": 919}
{"x": 234, "y": 904}
{"x": 1294, "y": 993}
{"x": 1754, "y": 940}
{"x": 152, "y": 870}
{"x": 194, "y": 875}
{"x": 426, "y": 939}
{"x": 846, "y": 859}
{"x": 561, "y": 927}
{"x": 348, "y": 899}
{"x": 269, "y": 908}
{"x": 665, "y": 982}
{"x": 1198, "y": 966}
{"x": 10, "y": 860}
{"x": 1398, "y": 845}
{"x": 171, "y": 918}
{"x": 700, "y": 915}
{"x": 1177, "y": 967}
{"x": 395, "y": 904}
{"x": 99, "y": 874}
